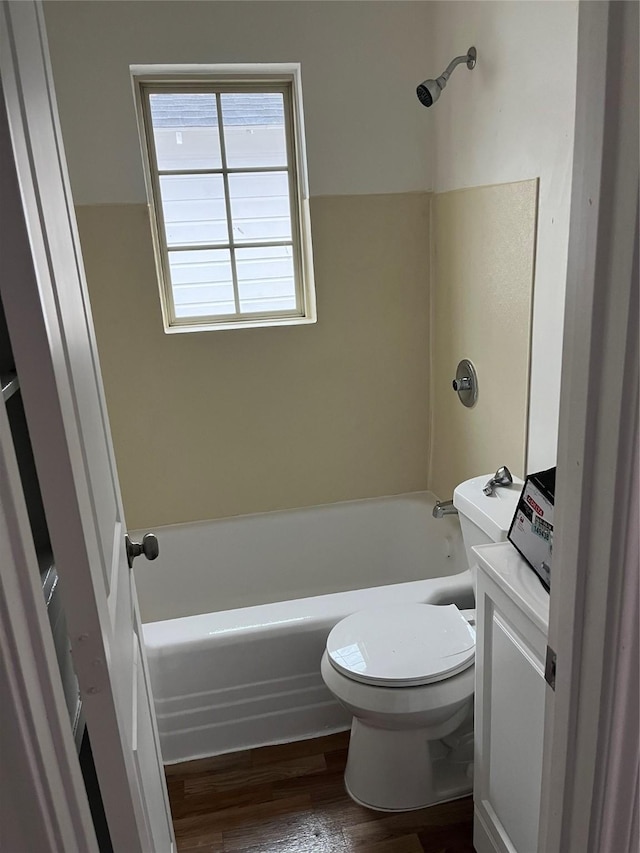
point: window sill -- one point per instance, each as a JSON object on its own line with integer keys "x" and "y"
{"x": 260, "y": 323}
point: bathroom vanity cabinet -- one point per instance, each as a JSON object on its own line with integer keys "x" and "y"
{"x": 512, "y": 625}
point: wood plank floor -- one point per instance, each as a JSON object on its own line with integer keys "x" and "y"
{"x": 291, "y": 799}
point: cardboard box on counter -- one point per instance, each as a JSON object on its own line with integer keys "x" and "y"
{"x": 531, "y": 530}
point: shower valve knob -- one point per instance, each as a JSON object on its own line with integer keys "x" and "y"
{"x": 466, "y": 383}
{"x": 462, "y": 384}
{"x": 149, "y": 547}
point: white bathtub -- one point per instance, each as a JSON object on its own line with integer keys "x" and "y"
{"x": 234, "y": 649}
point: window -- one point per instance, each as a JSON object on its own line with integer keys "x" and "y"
{"x": 226, "y": 178}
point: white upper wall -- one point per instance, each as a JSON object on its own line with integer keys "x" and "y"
{"x": 361, "y": 62}
{"x": 509, "y": 119}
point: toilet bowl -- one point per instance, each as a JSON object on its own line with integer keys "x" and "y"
{"x": 406, "y": 674}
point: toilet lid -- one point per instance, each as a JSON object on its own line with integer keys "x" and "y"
{"x": 402, "y": 645}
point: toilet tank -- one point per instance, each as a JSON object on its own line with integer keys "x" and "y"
{"x": 485, "y": 518}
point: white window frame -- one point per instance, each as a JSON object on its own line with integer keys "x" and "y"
{"x": 284, "y": 79}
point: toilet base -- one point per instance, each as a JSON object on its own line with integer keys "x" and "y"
{"x": 395, "y": 771}
{"x": 460, "y": 796}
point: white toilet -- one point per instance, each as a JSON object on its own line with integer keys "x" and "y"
{"x": 406, "y": 674}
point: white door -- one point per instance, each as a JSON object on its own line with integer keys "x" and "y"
{"x": 50, "y": 324}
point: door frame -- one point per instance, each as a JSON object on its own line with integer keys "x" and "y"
{"x": 43, "y": 802}
{"x": 53, "y": 342}
{"x": 597, "y": 434}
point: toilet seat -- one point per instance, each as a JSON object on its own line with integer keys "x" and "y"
{"x": 405, "y": 645}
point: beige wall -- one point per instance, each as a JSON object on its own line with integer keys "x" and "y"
{"x": 483, "y": 264}
{"x": 304, "y": 415}
{"x": 213, "y": 424}
{"x": 511, "y": 119}
{"x": 237, "y": 421}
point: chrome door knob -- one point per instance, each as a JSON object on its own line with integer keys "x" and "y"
{"x": 149, "y": 547}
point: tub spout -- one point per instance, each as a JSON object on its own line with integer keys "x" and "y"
{"x": 443, "y": 508}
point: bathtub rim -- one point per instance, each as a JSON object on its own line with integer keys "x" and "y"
{"x": 199, "y": 625}
{"x": 432, "y": 498}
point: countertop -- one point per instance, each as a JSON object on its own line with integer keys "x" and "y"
{"x": 504, "y": 565}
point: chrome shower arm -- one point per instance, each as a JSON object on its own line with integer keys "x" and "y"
{"x": 469, "y": 60}
{"x": 453, "y": 64}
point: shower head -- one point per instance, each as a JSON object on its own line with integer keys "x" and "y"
{"x": 429, "y": 91}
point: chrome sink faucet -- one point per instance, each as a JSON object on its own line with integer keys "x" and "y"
{"x": 502, "y": 477}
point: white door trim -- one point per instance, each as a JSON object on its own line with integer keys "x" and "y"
{"x": 43, "y": 803}
{"x": 598, "y": 409}
{"x": 618, "y": 788}
{"x": 49, "y": 319}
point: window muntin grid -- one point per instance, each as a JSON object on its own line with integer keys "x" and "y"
{"x": 206, "y": 265}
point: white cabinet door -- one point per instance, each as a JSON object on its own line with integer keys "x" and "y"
{"x": 49, "y": 319}
{"x": 510, "y": 699}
